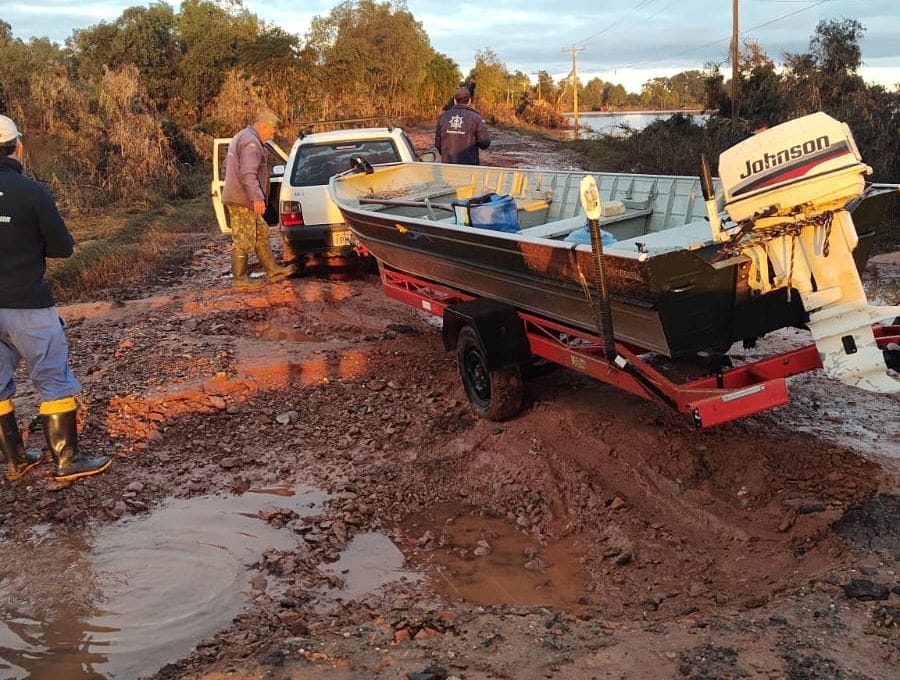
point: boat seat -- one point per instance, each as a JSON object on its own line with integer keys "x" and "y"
{"x": 532, "y": 204}
{"x": 685, "y": 237}
{"x": 555, "y": 228}
{"x": 565, "y": 226}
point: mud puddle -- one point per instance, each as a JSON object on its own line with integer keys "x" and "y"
{"x": 369, "y": 563}
{"x": 125, "y": 599}
{"x": 278, "y": 334}
{"x": 487, "y": 561}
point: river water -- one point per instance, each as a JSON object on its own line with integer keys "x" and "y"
{"x": 611, "y": 123}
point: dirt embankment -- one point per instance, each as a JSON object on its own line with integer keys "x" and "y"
{"x": 593, "y": 536}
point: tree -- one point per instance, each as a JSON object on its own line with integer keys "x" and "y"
{"x": 210, "y": 39}
{"x": 593, "y": 93}
{"x": 488, "y": 77}
{"x": 751, "y": 56}
{"x": 827, "y": 73}
{"x": 615, "y": 95}
{"x": 687, "y": 88}
{"x": 546, "y": 88}
{"x": 21, "y": 64}
{"x": 442, "y": 77}
{"x": 372, "y": 57}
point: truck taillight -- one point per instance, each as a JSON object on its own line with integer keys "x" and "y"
{"x": 291, "y": 214}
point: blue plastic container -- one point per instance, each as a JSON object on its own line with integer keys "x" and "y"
{"x": 583, "y": 235}
{"x": 490, "y": 211}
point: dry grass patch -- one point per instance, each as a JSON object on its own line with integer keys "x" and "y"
{"x": 122, "y": 251}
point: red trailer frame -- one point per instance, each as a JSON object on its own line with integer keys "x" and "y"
{"x": 719, "y": 398}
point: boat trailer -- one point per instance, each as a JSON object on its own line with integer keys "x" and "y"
{"x": 493, "y": 341}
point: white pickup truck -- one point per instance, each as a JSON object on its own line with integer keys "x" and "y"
{"x": 312, "y": 228}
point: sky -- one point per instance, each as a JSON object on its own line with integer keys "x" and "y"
{"x": 629, "y": 44}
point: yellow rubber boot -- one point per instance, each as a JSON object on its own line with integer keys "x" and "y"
{"x": 60, "y": 429}
{"x": 18, "y": 460}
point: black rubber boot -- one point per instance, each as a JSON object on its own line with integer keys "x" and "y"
{"x": 61, "y": 432}
{"x": 273, "y": 271}
{"x": 239, "y": 272}
{"x": 18, "y": 460}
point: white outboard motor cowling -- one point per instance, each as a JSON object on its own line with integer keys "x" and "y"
{"x": 807, "y": 165}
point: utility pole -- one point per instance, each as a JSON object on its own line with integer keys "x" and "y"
{"x": 575, "y": 50}
{"x": 734, "y": 60}
{"x": 540, "y": 89}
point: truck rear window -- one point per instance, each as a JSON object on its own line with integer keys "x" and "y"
{"x": 317, "y": 163}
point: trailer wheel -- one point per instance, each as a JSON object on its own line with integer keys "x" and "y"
{"x": 494, "y": 395}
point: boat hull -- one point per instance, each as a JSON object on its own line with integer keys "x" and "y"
{"x": 676, "y": 304}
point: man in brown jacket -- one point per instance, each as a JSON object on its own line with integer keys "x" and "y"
{"x": 244, "y": 195}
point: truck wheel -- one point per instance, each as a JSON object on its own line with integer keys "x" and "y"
{"x": 494, "y": 395}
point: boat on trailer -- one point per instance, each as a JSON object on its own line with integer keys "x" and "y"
{"x": 688, "y": 264}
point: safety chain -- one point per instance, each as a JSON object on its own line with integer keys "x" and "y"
{"x": 765, "y": 234}
{"x": 761, "y": 235}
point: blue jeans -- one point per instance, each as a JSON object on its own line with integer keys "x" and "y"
{"x": 37, "y": 336}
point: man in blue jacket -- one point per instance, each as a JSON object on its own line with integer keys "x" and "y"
{"x": 461, "y": 131}
{"x": 31, "y": 229}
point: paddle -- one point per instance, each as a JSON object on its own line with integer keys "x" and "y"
{"x": 407, "y": 204}
{"x": 590, "y": 201}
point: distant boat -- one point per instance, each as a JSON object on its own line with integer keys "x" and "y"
{"x": 692, "y": 264}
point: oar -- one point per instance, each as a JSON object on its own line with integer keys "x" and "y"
{"x": 407, "y": 204}
{"x": 590, "y": 201}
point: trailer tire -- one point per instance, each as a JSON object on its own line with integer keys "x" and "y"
{"x": 494, "y": 395}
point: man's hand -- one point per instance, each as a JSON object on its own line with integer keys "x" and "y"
{"x": 259, "y": 207}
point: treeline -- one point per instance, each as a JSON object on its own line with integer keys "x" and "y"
{"x": 124, "y": 109}
{"x": 824, "y": 78}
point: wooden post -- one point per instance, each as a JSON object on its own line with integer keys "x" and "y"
{"x": 734, "y": 59}
{"x": 574, "y": 50}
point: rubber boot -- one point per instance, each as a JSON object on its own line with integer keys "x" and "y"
{"x": 239, "y": 272}
{"x": 60, "y": 430}
{"x": 267, "y": 260}
{"x": 18, "y": 460}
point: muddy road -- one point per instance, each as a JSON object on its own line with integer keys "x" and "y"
{"x": 300, "y": 491}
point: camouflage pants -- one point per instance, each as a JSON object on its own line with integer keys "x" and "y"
{"x": 249, "y": 231}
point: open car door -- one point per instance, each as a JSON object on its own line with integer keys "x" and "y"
{"x": 276, "y": 158}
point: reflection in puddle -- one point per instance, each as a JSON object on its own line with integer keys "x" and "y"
{"x": 510, "y": 567}
{"x": 135, "y": 595}
{"x": 369, "y": 562}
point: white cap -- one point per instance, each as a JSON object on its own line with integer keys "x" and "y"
{"x": 8, "y": 130}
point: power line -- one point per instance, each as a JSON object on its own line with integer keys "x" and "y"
{"x": 616, "y": 23}
{"x": 714, "y": 42}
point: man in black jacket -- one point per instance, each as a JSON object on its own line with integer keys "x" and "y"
{"x": 461, "y": 131}
{"x": 31, "y": 229}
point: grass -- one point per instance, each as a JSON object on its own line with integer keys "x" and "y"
{"x": 124, "y": 250}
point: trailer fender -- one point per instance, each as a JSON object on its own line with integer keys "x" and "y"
{"x": 501, "y": 331}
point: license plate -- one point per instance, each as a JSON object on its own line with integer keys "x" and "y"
{"x": 342, "y": 238}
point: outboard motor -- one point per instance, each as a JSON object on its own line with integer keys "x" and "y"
{"x": 786, "y": 190}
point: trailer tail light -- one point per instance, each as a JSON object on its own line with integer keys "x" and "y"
{"x": 291, "y": 214}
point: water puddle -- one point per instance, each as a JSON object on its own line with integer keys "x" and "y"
{"x": 279, "y": 334}
{"x": 368, "y": 563}
{"x": 488, "y": 561}
{"x": 127, "y": 598}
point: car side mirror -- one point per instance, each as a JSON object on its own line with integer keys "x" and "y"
{"x": 278, "y": 171}
{"x": 428, "y": 156}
